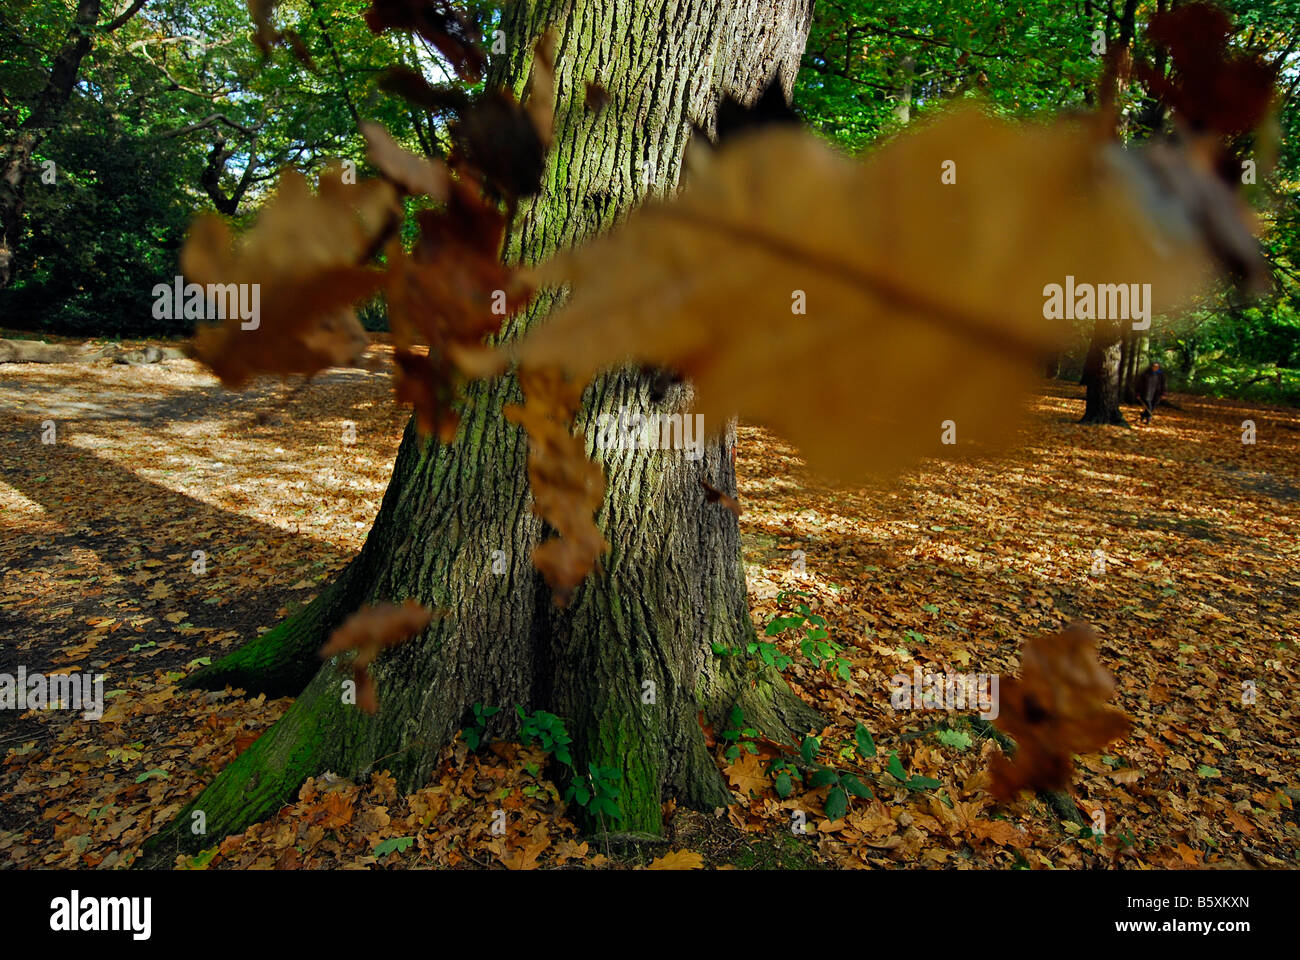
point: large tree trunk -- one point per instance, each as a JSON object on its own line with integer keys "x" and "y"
{"x": 1101, "y": 375}
{"x": 640, "y": 628}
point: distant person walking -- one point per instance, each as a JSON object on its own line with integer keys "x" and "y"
{"x": 1150, "y": 390}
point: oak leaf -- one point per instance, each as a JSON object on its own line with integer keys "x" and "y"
{"x": 369, "y": 631}
{"x": 923, "y": 301}
{"x": 567, "y": 487}
{"x": 678, "y": 860}
{"x": 414, "y": 174}
{"x": 1056, "y": 709}
{"x": 746, "y": 775}
{"x": 304, "y": 258}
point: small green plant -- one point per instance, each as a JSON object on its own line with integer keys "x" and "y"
{"x": 596, "y": 792}
{"x": 547, "y": 731}
{"x": 398, "y": 844}
{"x": 736, "y": 733}
{"x": 766, "y": 651}
{"x": 809, "y": 749}
{"x": 815, "y": 644}
{"x": 842, "y": 785}
{"x": 784, "y": 774}
{"x": 476, "y": 733}
{"x": 862, "y": 740}
{"x": 957, "y": 739}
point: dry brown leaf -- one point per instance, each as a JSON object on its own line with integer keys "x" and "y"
{"x": 746, "y": 775}
{"x": 567, "y": 487}
{"x": 369, "y": 631}
{"x": 451, "y": 30}
{"x": 414, "y": 174}
{"x": 713, "y": 495}
{"x": 1055, "y": 710}
{"x": 539, "y": 99}
{"x": 678, "y": 860}
{"x": 304, "y": 257}
{"x": 925, "y": 300}
{"x": 1001, "y": 832}
{"x": 448, "y": 293}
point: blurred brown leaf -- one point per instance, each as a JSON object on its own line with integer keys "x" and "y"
{"x": 924, "y": 299}
{"x": 449, "y": 30}
{"x": 369, "y": 631}
{"x": 414, "y": 174}
{"x": 567, "y": 487}
{"x": 1055, "y": 710}
{"x": 305, "y": 257}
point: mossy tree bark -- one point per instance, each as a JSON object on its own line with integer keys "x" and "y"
{"x": 642, "y": 627}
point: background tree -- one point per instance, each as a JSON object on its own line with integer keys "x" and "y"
{"x": 174, "y": 109}
{"x": 31, "y": 122}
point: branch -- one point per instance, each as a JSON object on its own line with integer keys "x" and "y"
{"x": 208, "y": 121}
{"x": 124, "y": 16}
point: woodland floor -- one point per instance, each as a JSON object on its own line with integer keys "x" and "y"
{"x": 954, "y": 567}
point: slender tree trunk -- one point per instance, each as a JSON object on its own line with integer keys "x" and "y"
{"x": 1101, "y": 375}
{"x": 16, "y": 155}
{"x": 629, "y": 663}
{"x": 1128, "y": 367}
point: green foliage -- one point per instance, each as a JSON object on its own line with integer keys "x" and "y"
{"x": 784, "y": 774}
{"x": 866, "y": 746}
{"x": 393, "y": 844}
{"x": 596, "y": 790}
{"x": 737, "y": 733}
{"x": 141, "y": 125}
{"x": 815, "y": 644}
{"x": 957, "y": 739}
{"x": 98, "y": 238}
{"x": 475, "y": 734}
{"x": 547, "y": 731}
{"x": 868, "y": 70}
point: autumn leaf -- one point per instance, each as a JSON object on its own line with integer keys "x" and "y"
{"x": 746, "y": 774}
{"x": 713, "y": 495}
{"x": 678, "y": 860}
{"x": 450, "y": 30}
{"x": 920, "y": 304}
{"x": 1001, "y": 832}
{"x": 304, "y": 259}
{"x": 1211, "y": 87}
{"x": 267, "y": 37}
{"x": 567, "y": 487}
{"x": 596, "y": 97}
{"x": 448, "y": 293}
{"x": 414, "y": 174}
{"x": 1056, "y": 709}
{"x": 914, "y": 300}
{"x": 504, "y": 140}
{"x": 369, "y": 631}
